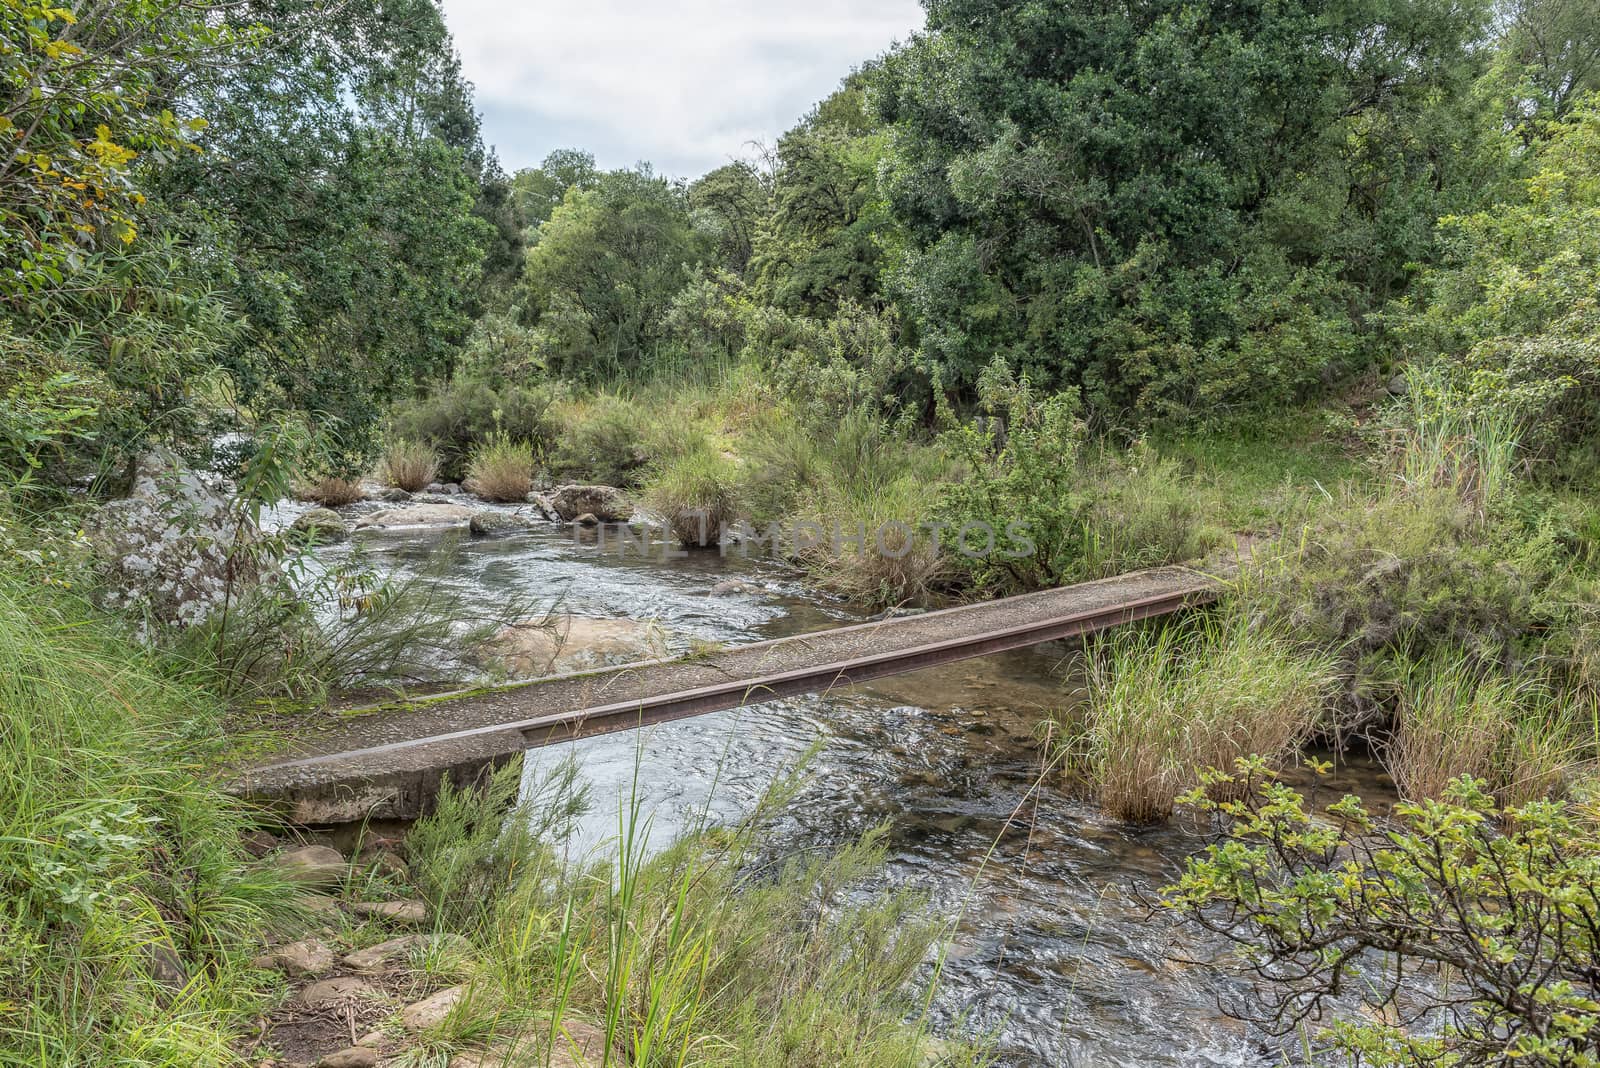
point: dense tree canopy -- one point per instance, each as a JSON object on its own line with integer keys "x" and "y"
{"x": 1150, "y": 200}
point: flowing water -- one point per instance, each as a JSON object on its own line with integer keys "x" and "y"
{"x": 1056, "y": 954}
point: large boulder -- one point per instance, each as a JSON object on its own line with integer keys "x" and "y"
{"x": 490, "y": 522}
{"x": 573, "y": 643}
{"x": 419, "y": 515}
{"x": 169, "y": 550}
{"x": 606, "y": 503}
{"x": 318, "y": 525}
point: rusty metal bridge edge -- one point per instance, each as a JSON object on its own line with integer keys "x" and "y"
{"x": 398, "y": 779}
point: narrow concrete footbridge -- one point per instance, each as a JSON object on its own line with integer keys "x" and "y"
{"x": 386, "y": 762}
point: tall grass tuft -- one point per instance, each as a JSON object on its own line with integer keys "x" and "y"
{"x": 332, "y": 491}
{"x": 502, "y": 469}
{"x": 129, "y": 915}
{"x": 1168, "y": 703}
{"x": 704, "y": 952}
{"x": 1455, "y": 716}
{"x": 1447, "y": 443}
{"x": 410, "y": 465}
{"x": 696, "y": 494}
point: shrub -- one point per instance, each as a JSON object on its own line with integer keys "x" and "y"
{"x": 1067, "y": 513}
{"x": 602, "y": 440}
{"x": 695, "y": 494}
{"x": 1352, "y": 907}
{"x": 467, "y": 413}
{"x": 411, "y": 465}
{"x": 502, "y": 469}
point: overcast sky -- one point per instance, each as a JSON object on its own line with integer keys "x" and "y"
{"x": 682, "y": 84}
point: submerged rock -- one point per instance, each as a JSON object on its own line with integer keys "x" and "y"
{"x": 419, "y": 515}
{"x": 606, "y": 504}
{"x": 739, "y": 588}
{"x": 573, "y": 643}
{"x": 321, "y": 525}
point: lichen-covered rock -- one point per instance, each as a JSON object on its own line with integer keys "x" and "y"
{"x": 542, "y": 507}
{"x": 606, "y": 503}
{"x": 168, "y": 551}
{"x": 573, "y": 643}
{"x": 320, "y": 525}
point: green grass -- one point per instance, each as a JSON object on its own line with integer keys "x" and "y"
{"x": 1167, "y": 703}
{"x": 116, "y": 852}
{"x": 709, "y": 952}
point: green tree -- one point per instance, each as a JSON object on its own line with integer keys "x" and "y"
{"x": 539, "y": 191}
{"x": 1149, "y": 200}
{"x": 1513, "y": 312}
{"x": 606, "y": 267}
{"x": 342, "y": 171}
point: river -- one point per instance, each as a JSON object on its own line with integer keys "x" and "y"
{"x": 1056, "y": 954}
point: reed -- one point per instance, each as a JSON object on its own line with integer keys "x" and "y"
{"x": 502, "y": 469}
{"x": 410, "y": 465}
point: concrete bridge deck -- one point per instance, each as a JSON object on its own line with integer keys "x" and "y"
{"x": 387, "y": 762}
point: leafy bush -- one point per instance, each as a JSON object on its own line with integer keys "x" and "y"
{"x": 411, "y": 465}
{"x": 1061, "y": 511}
{"x": 603, "y": 439}
{"x": 502, "y": 469}
{"x": 464, "y": 414}
{"x": 1501, "y": 925}
{"x": 696, "y": 494}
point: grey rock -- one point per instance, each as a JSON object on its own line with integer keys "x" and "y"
{"x": 606, "y": 503}
{"x": 165, "y": 966}
{"x": 314, "y": 865}
{"x": 450, "y": 489}
{"x": 395, "y": 495}
{"x": 321, "y": 525}
{"x": 418, "y": 515}
{"x": 738, "y": 588}
{"x": 543, "y": 508}
{"x": 412, "y": 913}
{"x": 335, "y": 993}
{"x": 489, "y": 521}
{"x": 163, "y": 552}
{"x": 431, "y": 1011}
{"x": 587, "y": 519}
{"x": 305, "y": 959}
{"x": 354, "y": 1057}
{"x": 1398, "y": 386}
{"x": 399, "y": 951}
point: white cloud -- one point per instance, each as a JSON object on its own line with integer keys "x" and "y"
{"x": 683, "y": 85}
